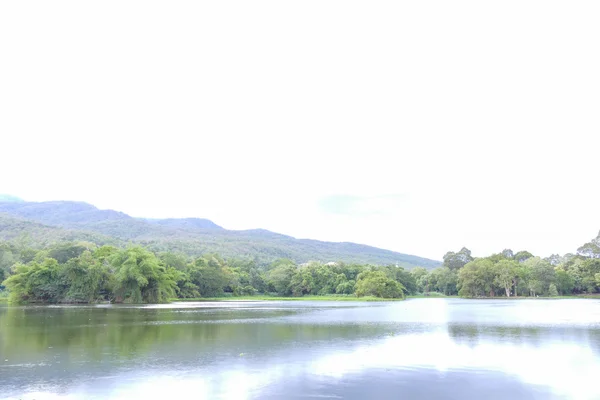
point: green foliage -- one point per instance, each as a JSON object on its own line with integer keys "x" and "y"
{"x": 209, "y": 275}
{"x": 455, "y": 261}
{"x": 280, "y": 276}
{"x": 80, "y": 272}
{"x": 472, "y": 278}
{"x": 87, "y": 279}
{"x": 376, "y": 283}
{"x": 347, "y": 287}
{"x": 505, "y": 273}
{"x": 36, "y": 281}
{"x": 139, "y": 277}
{"x": 521, "y": 256}
{"x": 444, "y": 280}
{"x": 590, "y": 249}
{"x": 564, "y": 281}
{"x": 421, "y": 278}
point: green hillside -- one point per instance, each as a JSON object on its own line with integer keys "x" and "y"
{"x": 31, "y": 233}
{"x": 50, "y": 222}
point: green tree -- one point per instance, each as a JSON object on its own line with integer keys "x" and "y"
{"x": 63, "y": 252}
{"x": 377, "y": 283}
{"x": 444, "y": 280}
{"x": 139, "y": 277}
{"x": 280, "y": 276}
{"x": 472, "y": 278}
{"x": 505, "y": 275}
{"x": 421, "y": 277}
{"x": 347, "y": 287}
{"x": 508, "y": 254}
{"x": 36, "y": 282}
{"x": 209, "y": 274}
{"x": 521, "y": 256}
{"x": 455, "y": 261}
{"x": 541, "y": 275}
{"x": 564, "y": 281}
{"x": 87, "y": 279}
{"x": 591, "y": 249}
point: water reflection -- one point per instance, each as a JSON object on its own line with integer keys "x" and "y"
{"x": 423, "y": 348}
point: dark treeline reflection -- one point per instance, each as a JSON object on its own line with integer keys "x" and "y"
{"x": 95, "y": 334}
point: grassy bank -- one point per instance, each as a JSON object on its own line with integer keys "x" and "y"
{"x": 277, "y": 298}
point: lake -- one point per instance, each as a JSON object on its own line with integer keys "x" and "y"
{"x": 416, "y": 349}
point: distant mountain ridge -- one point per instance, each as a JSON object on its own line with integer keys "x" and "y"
{"x": 69, "y": 220}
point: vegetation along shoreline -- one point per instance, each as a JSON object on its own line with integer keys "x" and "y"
{"x": 83, "y": 272}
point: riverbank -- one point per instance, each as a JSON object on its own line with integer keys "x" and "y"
{"x": 280, "y": 298}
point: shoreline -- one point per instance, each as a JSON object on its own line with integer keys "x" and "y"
{"x": 282, "y": 298}
{"x": 5, "y": 300}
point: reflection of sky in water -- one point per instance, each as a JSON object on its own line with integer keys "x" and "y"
{"x": 568, "y": 369}
{"x": 557, "y": 356}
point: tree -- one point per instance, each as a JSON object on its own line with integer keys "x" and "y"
{"x": 444, "y": 280}
{"x": 280, "y": 276}
{"x": 590, "y": 268}
{"x": 472, "y": 278}
{"x": 505, "y": 275}
{"x": 402, "y": 276}
{"x": 552, "y": 291}
{"x": 541, "y": 275}
{"x": 554, "y": 260}
{"x": 564, "y": 281}
{"x": 177, "y": 261}
{"x": 36, "y": 282}
{"x": 455, "y": 261}
{"x": 347, "y": 287}
{"x": 66, "y": 251}
{"x": 376, "y": 283}
{"x": 421, "y": 277}
{"x": 139, "y": 277}
{"x": 302, "y": 282}
{"x": 508, "y": 254}
{"x": 209, "y": 275}
{"x": 521, "y": 256}
{"x": 87, "y": 279}
{"x": 590, "y": 249}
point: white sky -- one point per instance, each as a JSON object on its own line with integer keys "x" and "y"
{"x": 417, "y": 126}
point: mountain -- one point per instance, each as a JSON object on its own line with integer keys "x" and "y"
{"x": 52, "y": 221}
{"x": 185, "y": 223}
{"x": 33, "y": 233}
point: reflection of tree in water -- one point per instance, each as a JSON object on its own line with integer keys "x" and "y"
{"x": 474, "y": 334}
{"x": 119, "y": 334}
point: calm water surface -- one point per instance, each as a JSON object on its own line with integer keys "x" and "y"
{"x": 417, "y": 349}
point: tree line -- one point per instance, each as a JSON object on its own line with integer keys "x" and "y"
{"x": 85, "y": 273}
{"x": 82, "y": 272}
{"x": 515, "y": 274}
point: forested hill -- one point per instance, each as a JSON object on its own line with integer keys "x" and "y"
{"x": 44, "y": 223}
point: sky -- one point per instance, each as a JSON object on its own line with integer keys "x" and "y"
{"x": 415, "y": 126}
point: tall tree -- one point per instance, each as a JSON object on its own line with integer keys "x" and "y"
{"x": 455, "y": 261}
{"x": 591, "y": 249}
{"x": 505, "y": 275}
{"x": 139, "y": 277}
{"x": 523, "y": 255}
